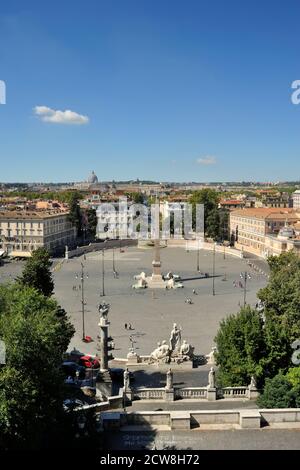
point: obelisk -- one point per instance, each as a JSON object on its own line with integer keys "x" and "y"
{"x": 156, "y": 263}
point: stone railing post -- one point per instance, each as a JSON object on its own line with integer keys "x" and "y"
{"x": 211, "y": 387}
{"x": 252, "y": 391}
{"x": 169, "y": 389}
{"x": 127, "y": 390}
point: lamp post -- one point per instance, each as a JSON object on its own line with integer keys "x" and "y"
{"x": 214, "y": 269}
{"x": 103, "y": 275}
{"x": 198, "y": 263}
{"x": 82, "y": 300}
{"x": 113, "y": 260}
{"x": 245, "y": 276}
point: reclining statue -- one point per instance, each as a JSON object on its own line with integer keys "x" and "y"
{"x": 161, "y": 354}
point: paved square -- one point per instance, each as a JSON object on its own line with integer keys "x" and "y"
{"x": 153, "y": 312}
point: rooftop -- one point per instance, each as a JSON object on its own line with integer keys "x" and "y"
{"x": 268, "y": 212}
{"x": 25, "y": 214}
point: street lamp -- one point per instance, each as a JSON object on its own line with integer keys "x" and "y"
{"x": 103, "y": 275}
{"x": 82, "y": 298}
{"x": 245, "y": 276}
{"x": 198, "y": 252}
{"x": 214, "y": 269}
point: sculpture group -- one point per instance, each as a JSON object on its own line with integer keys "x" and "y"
{"x": 176, "y": 351}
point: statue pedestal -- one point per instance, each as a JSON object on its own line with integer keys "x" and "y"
{"x": 211, "y": 394}
{"x": 156, "y": 282}
{"x": 169, "y": 394}
{"x": 127, "y": 396}
{"x": 253, "y": 393}
{"x": 132, "y": 359}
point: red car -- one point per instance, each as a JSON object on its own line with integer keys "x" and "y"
{"x": 89, "y": 362}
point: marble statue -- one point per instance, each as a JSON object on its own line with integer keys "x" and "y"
{"x": 161, "y": 353}
{"x": 126, "y": 379}
{"x": 169, "y": 384}
{"x": 211, "y": 356}
{"x": 253, "y": 383}
{"x": 175, "y": 339}
{"x": 211, "y": 378}
{"x": 103, "y": 309}
{"x": 186, "y": 350}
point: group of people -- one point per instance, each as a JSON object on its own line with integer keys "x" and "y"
{"x": 238, "y": 284}
{"x": 128, "y": 327}
{"x": 76, "y": 287}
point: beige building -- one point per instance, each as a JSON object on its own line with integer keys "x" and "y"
{"x": 250, "y": 227}
{"x": 286, "y": 240}
{"x": 22, "y": 232}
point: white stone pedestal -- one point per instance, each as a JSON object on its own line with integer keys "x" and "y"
{"x": 211, "y": 394}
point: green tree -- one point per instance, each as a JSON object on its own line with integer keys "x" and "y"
{"x": 138, "y": 198}
{"x": 36, "y": 272}
{"x": 31, "y": 383}
{"x": 240, "y": 348}
{"x": 92, "y": 222}
{"x": 213, "y": 224}
{"x": 293, "y": 376}
{"x": 281, "y": 298}
{"x": 75, "y": 216}
{"x": 278, "y": 393}
{"x": 210, "y": 199}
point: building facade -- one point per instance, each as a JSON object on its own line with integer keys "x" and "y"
{"x": 296, "y": 199}
{"x": 22, "y": 232}
{"x": 250, "y": 227}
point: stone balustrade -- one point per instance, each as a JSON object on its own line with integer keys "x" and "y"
{"x": 191, "y": 392}
{"x": 149, "y": 393}
{"x": 233, "y": 392}
{"x": 186, "y": 420}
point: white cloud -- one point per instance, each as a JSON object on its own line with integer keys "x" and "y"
{"x": 208, "y": 160}
{"x": 60, "y": 117}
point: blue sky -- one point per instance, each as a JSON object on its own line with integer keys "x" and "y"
{"x": 168, "y": 90}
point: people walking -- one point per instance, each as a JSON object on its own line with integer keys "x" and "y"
{"x": 125, "y": 326}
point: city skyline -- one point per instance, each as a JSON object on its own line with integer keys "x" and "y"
{"x": 150, "y": 90}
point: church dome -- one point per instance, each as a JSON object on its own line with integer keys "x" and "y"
{"x": 92, "y": 179}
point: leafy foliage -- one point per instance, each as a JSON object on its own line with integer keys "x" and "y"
{"x": 75, "y": 216}
{"x": 247, "y": 345}
{"x": 36, "y": 334}
{"x": 278, "y": 393}
{"x": 36, "y": 272}
{"x": 240, "y": 348}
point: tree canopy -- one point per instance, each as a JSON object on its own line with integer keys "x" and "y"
{"x": 36, "y": 335}
{"x": 260, "y": 344}
{"x": 36, "y": 272}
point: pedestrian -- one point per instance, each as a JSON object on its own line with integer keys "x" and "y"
{"x": 125, "y": 326}
{"x": 129, "y": 327}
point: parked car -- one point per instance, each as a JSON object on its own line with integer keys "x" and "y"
{"x": 89, "y": 362}
{"x": 70, "y": 369}
{"x": 71, "y": 403}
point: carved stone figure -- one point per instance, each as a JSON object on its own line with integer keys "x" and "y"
{"x": 211, "y": 378}
{"x": 103, "y": 309}
{"x": 175, "y": 339}
{"x": 161, "y": 353}
{"x": 126, "y": 379}
{"x": 169, "y": 384}
{"x": 211, "y": 356}
{"x": 186, "y": 350}
{"x": 253, "y": 384}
